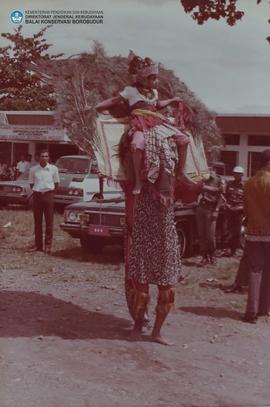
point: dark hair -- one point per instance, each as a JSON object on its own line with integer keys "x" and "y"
{"x": 265, "y": 158}
{"x": 135, "y": 64}
{"x": 44, "y": 150}
{"x": 125, "y": 157}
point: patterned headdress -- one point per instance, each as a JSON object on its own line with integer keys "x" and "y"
{"x": 141, "y": 67}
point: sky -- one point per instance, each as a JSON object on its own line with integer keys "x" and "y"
{"x": 226, "y": 67}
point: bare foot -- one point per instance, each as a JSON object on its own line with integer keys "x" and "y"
{"x": 161, "y": 340}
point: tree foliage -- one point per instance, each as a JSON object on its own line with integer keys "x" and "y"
{"x": 82, "y": 81}
{"x": 20, "y": 88}
{"x": 203, "y": 10}
{"x": 31, "y": 79}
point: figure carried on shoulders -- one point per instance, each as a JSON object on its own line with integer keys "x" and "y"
{"x": 152, "y": 135}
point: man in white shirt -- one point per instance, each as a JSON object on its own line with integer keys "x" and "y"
{"x": 43, "y": 179}
{"x": 22, "y": 165}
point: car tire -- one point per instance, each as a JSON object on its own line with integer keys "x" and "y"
{"x": 183, "y": 238}
{"x": 91, "y": 244}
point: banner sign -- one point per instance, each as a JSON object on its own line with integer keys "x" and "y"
{"x": 32, "y": 133}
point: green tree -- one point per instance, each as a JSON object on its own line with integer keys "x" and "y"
{"x": 20, "y": 87}
{"x": 81, "y": 81}
{"x": 203, "y": 10}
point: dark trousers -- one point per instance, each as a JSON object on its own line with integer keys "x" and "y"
{"x": 243, "y": 269}
{"x": 43, "y": 205}
{"x": 259, "y": 277}
{"x": 234, "y": 219}
{"x": 206, "y": 226}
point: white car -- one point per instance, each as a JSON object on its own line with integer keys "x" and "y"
{"x": 17, "y": 191}
{"x": 79, "y": 180}
{"x": 90, "y": 186}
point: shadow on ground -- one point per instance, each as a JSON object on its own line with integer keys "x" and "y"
{"x": 213, "y": 312}
{"x": 30, "y": 314}
{"x": 109, "y": 255}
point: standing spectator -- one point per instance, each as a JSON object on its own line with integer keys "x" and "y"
{"x": 43, "y": 179}
{"x": 22, "y": 165}
{"x": 3, "y": 169}
{"x": 234, "y": 205}
{"x": 257, "y": 208}
{"x": 12, "y": 172}
{"x": 241, "y": 278}
{"x": 29, "y": 160}
{"x": 206, "y": 216}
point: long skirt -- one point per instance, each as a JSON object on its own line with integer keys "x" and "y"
{"x": 154, "y": 254}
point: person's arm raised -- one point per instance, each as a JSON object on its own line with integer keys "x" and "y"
{"x": 163, "y": 103}
{"x": 108, "y": 103}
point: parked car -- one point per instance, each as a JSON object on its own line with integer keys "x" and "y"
{"x": 102, "y": 223}
{"x": 79, "y": 180}
{"x": 17, "y": 191}
{"x": 72, "y": 214}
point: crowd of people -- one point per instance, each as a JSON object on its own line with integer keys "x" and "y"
{"x": 11, "y": 171}
{"x": 238, "y": 201}
{"x": 224, "y": 201}
{"x": 153, "y": 153}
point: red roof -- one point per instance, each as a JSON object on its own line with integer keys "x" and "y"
{"x": 30, "y": 119}
{"x": 244, "y": 124}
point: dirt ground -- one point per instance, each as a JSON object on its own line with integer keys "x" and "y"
{"x": 64, "y": 333}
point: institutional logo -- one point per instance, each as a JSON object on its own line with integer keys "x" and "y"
{"x": 16, "y": 17}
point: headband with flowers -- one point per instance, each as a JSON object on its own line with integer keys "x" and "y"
{"x": 141, "y": 67}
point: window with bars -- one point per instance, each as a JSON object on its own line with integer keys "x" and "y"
{"x": 232, "y": 139}
{"x": 259, "y": 140}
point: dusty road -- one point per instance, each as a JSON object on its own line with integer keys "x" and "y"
{"x": 64, "y": 334}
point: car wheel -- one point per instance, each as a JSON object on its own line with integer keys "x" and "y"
{"x": 91, "y": 244}
{"x": 184, "y": 243}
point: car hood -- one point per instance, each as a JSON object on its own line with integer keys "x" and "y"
{"x": 118, "y": 205}
{"x": 94, "y": 205}
{"x": 17, "y": 183}
{"x": 66, "y": 178}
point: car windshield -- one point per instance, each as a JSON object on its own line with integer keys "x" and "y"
{"x": 73, "y": 165}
